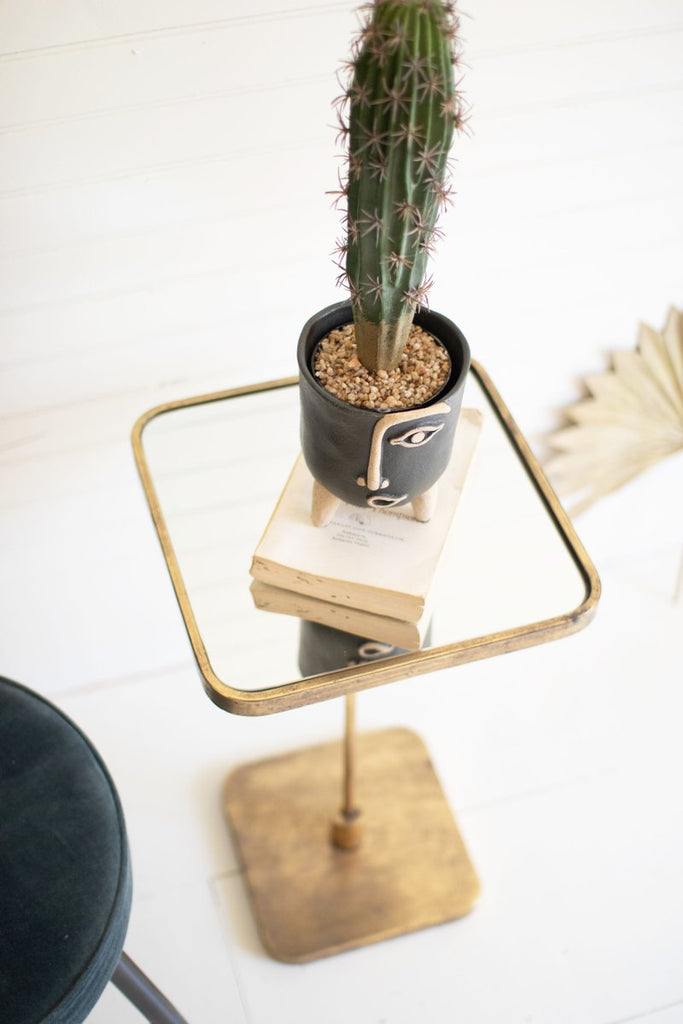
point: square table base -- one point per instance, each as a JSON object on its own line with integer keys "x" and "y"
{"x": 311, "y": 899}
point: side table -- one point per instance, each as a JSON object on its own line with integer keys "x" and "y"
{"x": 514, "y": 575}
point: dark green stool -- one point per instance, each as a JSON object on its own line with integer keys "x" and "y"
{"x": 65, "y": 879}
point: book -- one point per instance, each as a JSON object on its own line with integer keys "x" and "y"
{"x": 381, "y": 561}
{"x": 408, "y": 636}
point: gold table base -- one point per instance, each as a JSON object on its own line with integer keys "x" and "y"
{"x": 311, "y": 899}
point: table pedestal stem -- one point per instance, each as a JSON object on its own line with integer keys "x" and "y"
{"x": 347, "y": 826}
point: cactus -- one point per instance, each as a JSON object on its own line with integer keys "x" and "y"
{"x": 403, "y": 107}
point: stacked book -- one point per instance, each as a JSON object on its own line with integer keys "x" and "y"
{"x": 369, "y": 572}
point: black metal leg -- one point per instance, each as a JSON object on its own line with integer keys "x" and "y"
{"x": 137, "y": 987}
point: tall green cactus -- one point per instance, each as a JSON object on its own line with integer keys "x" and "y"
{"x": 403, "y": 107}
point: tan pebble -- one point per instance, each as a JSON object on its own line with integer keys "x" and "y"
{"x": 421, "y": 372}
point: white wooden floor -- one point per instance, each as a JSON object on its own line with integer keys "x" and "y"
{"x": 164, "y": 231}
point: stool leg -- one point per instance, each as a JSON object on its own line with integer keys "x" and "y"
{"x": 144, "y": 995}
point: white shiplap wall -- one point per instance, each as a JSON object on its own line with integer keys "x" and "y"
{"x": 163, "y": 169}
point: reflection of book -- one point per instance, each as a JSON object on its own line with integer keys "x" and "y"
{"x": 380, "y": 561}
{"x": 407, "y": 635}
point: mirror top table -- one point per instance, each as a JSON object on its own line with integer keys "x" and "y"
{"x": 514, "y": 573}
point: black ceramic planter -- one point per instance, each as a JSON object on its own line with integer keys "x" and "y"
{"x": 377, "y": 459}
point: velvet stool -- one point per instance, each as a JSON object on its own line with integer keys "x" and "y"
{"x": 65, "y": 877}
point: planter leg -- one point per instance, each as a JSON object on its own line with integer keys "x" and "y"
{"x": 323, "y": 505}
{"x": 424, "y": 504}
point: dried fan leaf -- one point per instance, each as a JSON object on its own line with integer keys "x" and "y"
{"x": 595, "y": 414}
{"x": 613, "y": 393}
{"x": 632, "y": 419}
{"x": 673, "y": 341}
{"x": 654, "y": 354}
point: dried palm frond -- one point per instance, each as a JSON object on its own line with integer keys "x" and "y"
{"x": 632, "y": 418}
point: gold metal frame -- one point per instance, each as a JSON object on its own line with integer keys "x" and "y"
{"x": 346, "y": 681}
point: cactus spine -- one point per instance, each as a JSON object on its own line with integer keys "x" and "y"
{"x": 403, "y": 107}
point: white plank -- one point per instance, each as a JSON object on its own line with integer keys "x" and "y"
{"x": 494, "y": 28}
{"x": 160, "y": 73}
{"x": 141, "y": 141}
{"x": 33, "y": 26}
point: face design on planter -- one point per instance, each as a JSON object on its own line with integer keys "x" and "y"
{"x": 370, "y": 650}
{"x": 415, "y": 434}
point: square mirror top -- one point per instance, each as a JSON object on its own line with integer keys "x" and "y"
{"x": 513, "y": 572}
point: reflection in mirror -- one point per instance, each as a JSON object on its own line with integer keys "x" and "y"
{"x": 218, "y": 468}
{"x": 325, "y": 649}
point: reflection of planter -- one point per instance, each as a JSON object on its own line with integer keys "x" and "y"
{"x": 380, "y": 459}
{"x": 324, "y": 649}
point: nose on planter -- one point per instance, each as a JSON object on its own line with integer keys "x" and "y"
{"x": 371, "y": 458}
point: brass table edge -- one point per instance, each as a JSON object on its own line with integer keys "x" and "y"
{"x": 314, "y": 689}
